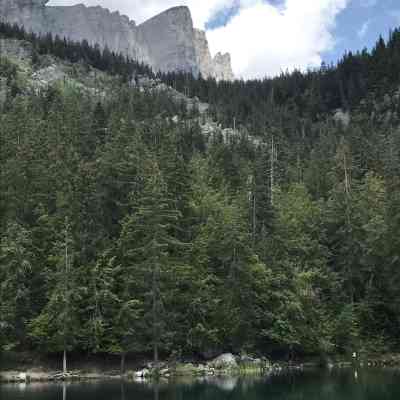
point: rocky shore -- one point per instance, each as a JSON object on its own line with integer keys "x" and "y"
{"x": 40, "y": 376}
{"x": 225, "y": 365}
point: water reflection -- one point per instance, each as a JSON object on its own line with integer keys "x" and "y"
{"x": 357, "y": 384}
{"x": 156, "y": 392}
{"x": 122, "y": 391}
{"x": 64, "y": 391}
{"x": 227, "y": 384}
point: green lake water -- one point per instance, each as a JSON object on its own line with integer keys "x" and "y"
{"x": 349, "y": 384}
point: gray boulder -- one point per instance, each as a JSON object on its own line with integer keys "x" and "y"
{"x": 224, "y": 361}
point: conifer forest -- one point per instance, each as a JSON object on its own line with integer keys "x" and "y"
{"x": 125, "y": 229}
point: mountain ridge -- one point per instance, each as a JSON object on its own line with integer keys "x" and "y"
{"x": 166, "y": 42}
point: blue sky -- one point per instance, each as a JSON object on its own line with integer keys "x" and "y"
{"x": 266, "y": 37}
{"x": 360, "y": 24}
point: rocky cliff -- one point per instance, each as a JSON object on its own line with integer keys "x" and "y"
{"x": 166, "y": 42}
{"x": 218, "y": 67}
{"x": 222, "y": 67}
{"x": 169, "y": 38}
{"x": 203, "y": 55}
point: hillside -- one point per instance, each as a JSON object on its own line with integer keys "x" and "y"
{"x": 260, "y": 217}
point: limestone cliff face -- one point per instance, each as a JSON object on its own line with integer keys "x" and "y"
{"x": 203, "y": 55}
{"x": 95, "y": 24}
{"x": 23, "y": 12}
{"x": 222, "y": 67}
{"x": 166, "y": 42}
{"x": 169, "y": 39}
{"x": 218, "y": 67}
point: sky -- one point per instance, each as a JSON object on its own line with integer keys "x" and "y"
{"x": 267, "y": 37}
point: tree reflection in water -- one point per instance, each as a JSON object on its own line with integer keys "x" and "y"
{"x": 156, "y": 391}
{"x": 64, "y": 391}
{"x": 339, "y": 384}
{"x": 122, "y": 391}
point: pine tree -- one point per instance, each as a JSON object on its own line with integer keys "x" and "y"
{"x": 57, "y": 326}
{"x": 149, "y": 244}
{"x": 16, "y": 269}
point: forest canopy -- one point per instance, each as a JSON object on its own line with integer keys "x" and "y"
{"x": 125, "y": 231}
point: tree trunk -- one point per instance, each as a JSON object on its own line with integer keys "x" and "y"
{"x": 155, "y": 314}
{"x": 254, "y": 217}
{"x": 123, "y": 356}
{"x": 65, "y": 361}
{"x": 155, "y": 350}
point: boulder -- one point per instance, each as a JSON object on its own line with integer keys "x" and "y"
{"x": 224, "y": 361}
{"x": 164, "y": 372}
{"x": 142, "y": 373}
{"x": 23, "y": 377}
{"x": 342, "y": 117}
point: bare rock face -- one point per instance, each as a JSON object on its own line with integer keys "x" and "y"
{"x": 95, "y": 24}
{"x": 22, "y": 12}
{"x": 169, "y": 36}
{"x": 218, "y": 67}
{"x": 203, "y": 55}
{"x": 222, "y": 67}
{"x": 4, "y": 4}
{"x": 166, "y": 42}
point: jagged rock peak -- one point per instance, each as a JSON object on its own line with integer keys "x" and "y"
{"x": 23, "y": 3}
{"x": 222, "y": 66}
{"x": 12, "y": 4}
{"x": 166, "y": 42}
{"x": 170, "y": 38}
{"x": 178, "y": 12}
{"x": 203, "y": 55}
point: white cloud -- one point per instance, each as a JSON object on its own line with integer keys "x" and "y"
{"x": 364, "y": 29}
{"x": 263, "y": 38}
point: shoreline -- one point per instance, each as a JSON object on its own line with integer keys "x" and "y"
{"x": 255, "y": 367}
{"x": 29, "y": 376}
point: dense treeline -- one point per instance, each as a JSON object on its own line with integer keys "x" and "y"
{"x": 72, "y": 51}
{"x": 305, "y": 95}
{"x": 124, "y": 232}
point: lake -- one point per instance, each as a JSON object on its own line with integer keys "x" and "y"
{"x": 367, "y": 384}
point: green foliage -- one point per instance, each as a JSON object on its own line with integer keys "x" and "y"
{"x": 57, "y": 324}
{"x": 16, "y": 269}
{"x": 7, "y": 69}
{"x": 124, "y": 231}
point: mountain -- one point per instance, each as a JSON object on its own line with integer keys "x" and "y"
{"x": 166, "y": 42}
